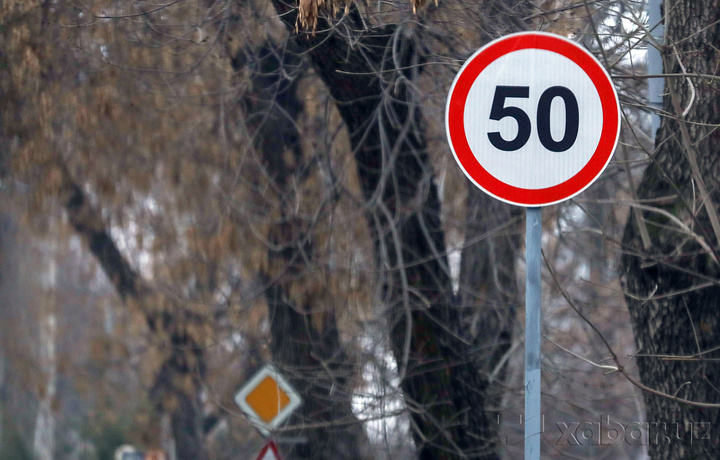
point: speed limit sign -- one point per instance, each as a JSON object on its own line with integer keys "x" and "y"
{"x": 532, "y": 119}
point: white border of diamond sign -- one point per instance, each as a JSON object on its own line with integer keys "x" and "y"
{"x": 261, "y": 425}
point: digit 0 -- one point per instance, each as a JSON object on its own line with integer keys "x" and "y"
{"x": 572, "y": 119}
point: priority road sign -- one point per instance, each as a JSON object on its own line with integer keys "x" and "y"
{"x": 267, "y": 399}
{"x": 532, "y": 119}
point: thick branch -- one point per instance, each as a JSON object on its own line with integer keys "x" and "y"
{"x": 89, "y": 225}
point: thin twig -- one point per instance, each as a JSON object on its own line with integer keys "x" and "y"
{"x": 620, "y": 367}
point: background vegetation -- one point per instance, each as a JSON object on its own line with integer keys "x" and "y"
{"x": 193, "y": 189}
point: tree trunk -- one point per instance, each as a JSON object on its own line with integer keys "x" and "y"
{"x": 367, "y": 71}
{"x": 167, "y": 325}
{"x": 305, "y": 342}
{"x": 672, "y": 288}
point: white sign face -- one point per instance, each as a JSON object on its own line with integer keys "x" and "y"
{"x": 532, "y": 119}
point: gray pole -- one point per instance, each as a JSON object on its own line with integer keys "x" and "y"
{"x": 533, "y": 256}
{"x": 655, "y": 67}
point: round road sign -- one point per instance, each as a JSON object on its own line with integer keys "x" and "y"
{"x": 532, "y": 118}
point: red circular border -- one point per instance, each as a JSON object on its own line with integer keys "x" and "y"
{"x": 455, "y": 119}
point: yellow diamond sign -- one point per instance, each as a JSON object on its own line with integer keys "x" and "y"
{"x": 267, "y": 399}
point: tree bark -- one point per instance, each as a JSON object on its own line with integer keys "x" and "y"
{"x": 305, "y": 343}
{"x": 672, "y": 288}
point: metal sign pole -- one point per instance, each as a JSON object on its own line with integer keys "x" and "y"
{"x": 655, "y": 66}
{"x": 533, "y": 256}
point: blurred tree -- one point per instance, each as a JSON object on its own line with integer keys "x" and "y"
{"x": 38, "y": 93}
{"x": 180, "y": 331}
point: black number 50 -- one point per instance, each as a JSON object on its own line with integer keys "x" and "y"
{"x": 498, "y": 111}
